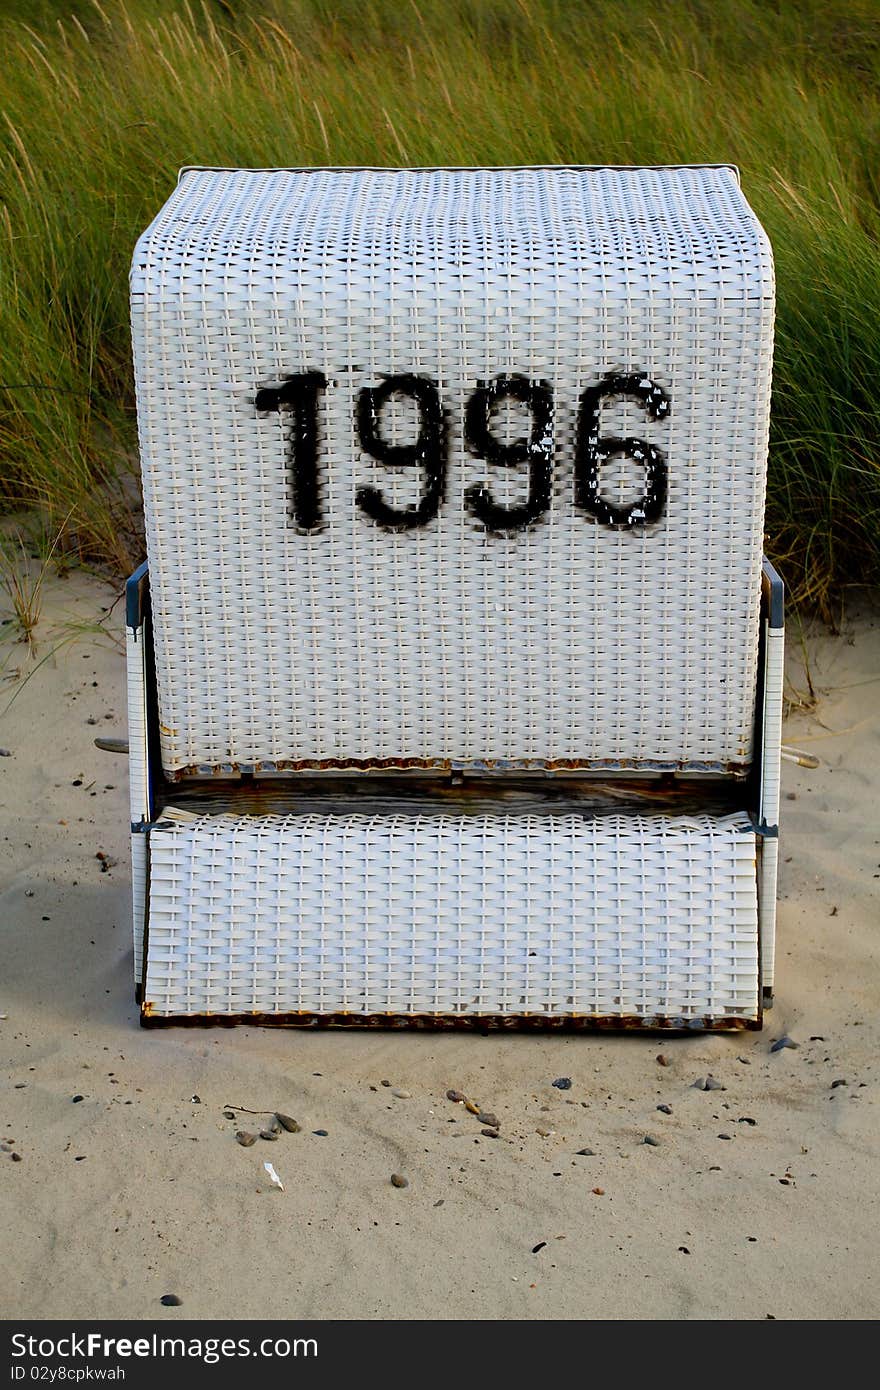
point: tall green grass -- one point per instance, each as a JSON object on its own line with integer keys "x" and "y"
{"x": 102, "y": 103}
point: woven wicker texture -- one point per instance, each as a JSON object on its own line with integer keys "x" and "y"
{"x": 139, "y": 870}
{"x": 136, "y": 696}
{"x": 569, "y": 639}
{"x": 556, "y": 916}
{"x": 771, "y": 779}
{"x": 138, "y": 783}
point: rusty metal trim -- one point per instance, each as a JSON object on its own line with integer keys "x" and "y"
{"x": 489, "y": 767}
{"x": 566, "y": 1023}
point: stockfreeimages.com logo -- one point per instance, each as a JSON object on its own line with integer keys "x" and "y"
{"x": 95, "y": 1346}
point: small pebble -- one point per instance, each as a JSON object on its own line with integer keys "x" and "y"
{"x": 322, "y": 1133}
{"x": 839, "y": 1082}
{"x": 746, "y": 1061}
{"x": 724, "y": 1136}
{"x": 562, "y": 1083}
{"x": 385, "y": 1083}
{"x": 269, "y": 1133}
{"x": 780, "y": 1043}
{"x": 287, "y": 1123}
{"x": 16, "y": 1158}
{"x": 246, "y": 1139}
{"x": 539, "y": 1246}
{"x": 587, "y": 1153}
{"x": 455, "y": 1095}
{"x": 170, "y": 1300}
{"x": 649, "y": 1139}
{"x": 599, "y": 1191}
{"x": 5, "y": 753}
{"x": 75, "y": 1100}
{"x": 486, "y": 1119}
{"x": 195, "y": 1100}
{"x": 398, "y": 1180}
{"x": 490, "y": 1133}
{"x": 662, "y": 1061}
{"x": 469, "y": 1105}
{"x": 401, "y": 1095}
{"x": 544, "y": 1133}
{"x": 746, "y": 1120}
{"x": 712, "y": 1085}
{"x": 229, "y": 1114}
{"x": 665, "y": 1109}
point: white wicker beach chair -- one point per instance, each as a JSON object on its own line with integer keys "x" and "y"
{"x": 455, "y": 695}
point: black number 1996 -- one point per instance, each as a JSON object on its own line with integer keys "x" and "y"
{"x": 297, "y": 398}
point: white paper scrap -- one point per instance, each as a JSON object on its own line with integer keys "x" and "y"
{"x": 273, "y": 1175}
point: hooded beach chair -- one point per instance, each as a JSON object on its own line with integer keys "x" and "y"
{"x": 455, "y": 681}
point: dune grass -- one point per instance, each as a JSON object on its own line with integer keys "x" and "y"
{"x": 101, "y": 103}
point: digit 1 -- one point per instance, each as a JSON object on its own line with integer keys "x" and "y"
{"x": 299, "y": 396}
{"x": 536, "y": 451}
{"x": 591, "y": 452}
{"x": 429, "y": 450}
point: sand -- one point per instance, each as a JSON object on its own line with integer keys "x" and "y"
{"x": 139, "y": 1188}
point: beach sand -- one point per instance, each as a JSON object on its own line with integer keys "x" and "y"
{"x": 139, "y": 1189}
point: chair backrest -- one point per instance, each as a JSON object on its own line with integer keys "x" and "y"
{"x": 454, "y": 467}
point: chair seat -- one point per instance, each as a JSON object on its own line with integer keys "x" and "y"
{"x": 450, "y": 918}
